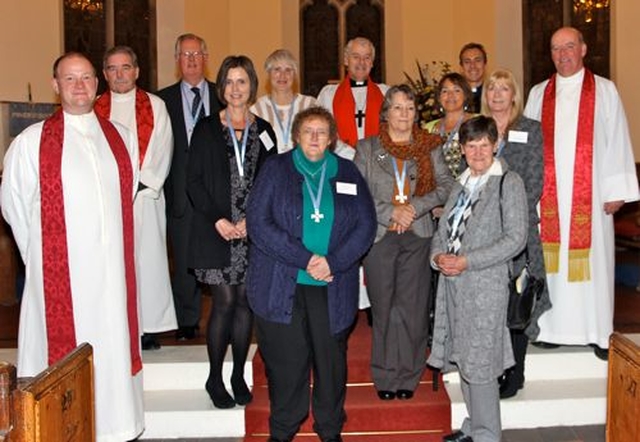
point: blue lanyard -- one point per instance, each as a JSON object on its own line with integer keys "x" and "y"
{"x": 240, "y": 152}
{"x": 317, "y": 198}
{"x": 400, "y": 180}
{"x": 286, "y": 130}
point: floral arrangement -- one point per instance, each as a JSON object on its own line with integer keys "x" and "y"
{"x": 425, "y": 88}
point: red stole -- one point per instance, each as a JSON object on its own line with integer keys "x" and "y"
{"x": 581, "y": 200}
{"x": 61, "y": 337}
{"x": 144, "y": 117}
{"x": 344, "y": 110}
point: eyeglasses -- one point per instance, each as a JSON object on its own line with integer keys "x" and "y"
{"x": 194, "y": 54}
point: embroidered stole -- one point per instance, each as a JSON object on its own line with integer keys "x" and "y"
{"x": 144, "y": 117}
{"x": 61, "y": 337}
{"x": 581, "y": 200}
{"x": 344, "y": 110}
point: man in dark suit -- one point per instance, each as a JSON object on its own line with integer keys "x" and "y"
{"x": 188, "y": 100}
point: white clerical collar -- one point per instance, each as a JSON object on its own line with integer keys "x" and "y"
{"x": 127, "y": 96}
{"x": 575, "y": 78}
{"x": 85, "y": 123}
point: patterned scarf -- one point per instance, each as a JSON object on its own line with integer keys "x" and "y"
{"x": 458, "y": 217}
{"x": 61, "y": 337}
{"x": 581, "y": 200}
{"x": 418, "y": 149}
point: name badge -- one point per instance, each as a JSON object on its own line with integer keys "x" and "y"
{"x": 266, "y": 140}
{"x": 346, "y": 188}
{"x": 518, "y": 136}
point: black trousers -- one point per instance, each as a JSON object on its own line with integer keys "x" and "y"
{"x": 291, "y": 352}
{"x": 186, "y": 294}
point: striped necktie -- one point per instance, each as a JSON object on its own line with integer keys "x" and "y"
{"x": 197, "y": 111}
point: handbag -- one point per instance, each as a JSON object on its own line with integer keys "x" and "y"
{"x": 524, "y": 289}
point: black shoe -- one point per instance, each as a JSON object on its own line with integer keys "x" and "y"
{"x": 337, "y": 438}
{"x": 545, "y": 345}
{"x": 221, "y": 398}
{"x": 404, "y": 394}
{"x": 457, "y": 436}
{"x": 386, "y": 395}
{"x": 273, "y": 439}
{"x": 510, "y": 385}
{"x": 149, "y": 342}
{"x": 601, "y": 353}
{"x": 241, "y": 392}
{"x": 187, "y": 333}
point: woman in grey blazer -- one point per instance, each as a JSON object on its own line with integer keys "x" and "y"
{"x": 520, "y": 145}
{"x": 484, "y": 225}
{"x": 408, "y": 177}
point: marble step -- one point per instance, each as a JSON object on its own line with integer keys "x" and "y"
{"x": 564, "y": 387}
{"x": 176, "y": 403}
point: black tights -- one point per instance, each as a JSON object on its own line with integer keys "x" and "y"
{"x": 230, "y": 322}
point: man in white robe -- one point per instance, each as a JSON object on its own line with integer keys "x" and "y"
{"x": 582, "y": 311}
{"x": 97, "y": 163}
{"x": 135, "y": 108}
{"x": 359, "y": 55}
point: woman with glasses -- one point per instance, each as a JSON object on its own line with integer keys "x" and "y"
{"x": 310, "y": 220}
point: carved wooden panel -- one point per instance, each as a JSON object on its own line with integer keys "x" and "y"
{"x": 58, "y": 404}
{"x": 623, "y": 395}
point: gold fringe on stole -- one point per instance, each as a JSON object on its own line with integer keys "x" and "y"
{"x": 551, "y": 252}
{"x": 579, "y": 265}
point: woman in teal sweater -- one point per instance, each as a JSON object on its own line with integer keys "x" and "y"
{"x": 310, "y": 220}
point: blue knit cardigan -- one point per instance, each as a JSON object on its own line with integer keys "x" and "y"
{"x": 274, "y": 225}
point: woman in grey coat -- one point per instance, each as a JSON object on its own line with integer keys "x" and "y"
{"x": 484, "y": 225}
{"x": 407, "y": 175}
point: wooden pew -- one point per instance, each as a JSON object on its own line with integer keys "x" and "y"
{"x": 55, "y": 406}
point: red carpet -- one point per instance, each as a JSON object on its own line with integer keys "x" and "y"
{"x": 425, "y": 418}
